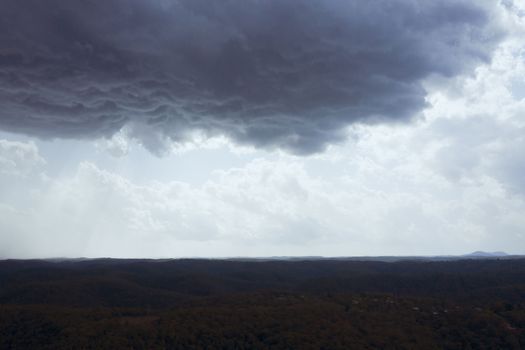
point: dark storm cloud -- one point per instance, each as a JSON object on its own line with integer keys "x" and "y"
{"x": 276, "y": 73}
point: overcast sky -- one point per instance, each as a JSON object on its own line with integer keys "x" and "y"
{"x": 207, "y": 128}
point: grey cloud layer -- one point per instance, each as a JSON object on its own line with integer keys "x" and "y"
{"x": 277, "y": 73}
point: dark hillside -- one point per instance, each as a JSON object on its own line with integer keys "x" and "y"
{"x": 228, "y": 304}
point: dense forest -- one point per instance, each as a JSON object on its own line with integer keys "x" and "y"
{"x": 262, "y": 304}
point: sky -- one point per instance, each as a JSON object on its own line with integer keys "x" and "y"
{"x": 207, "y": 128}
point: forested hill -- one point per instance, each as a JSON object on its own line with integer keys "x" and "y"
{"x": 249, "y": 304}
{"x": 113, "y": 282}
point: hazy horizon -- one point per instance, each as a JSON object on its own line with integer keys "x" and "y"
{"x": 475, "y": 255}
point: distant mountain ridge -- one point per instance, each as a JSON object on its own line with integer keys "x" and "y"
{"x": 386, "y": 258}
{"x": 482, "y": 254}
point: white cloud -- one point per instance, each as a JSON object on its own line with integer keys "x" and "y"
{"x": 19, "y": 158}
{"x": 373, "y": 206}
{"x": 117, "y": 146}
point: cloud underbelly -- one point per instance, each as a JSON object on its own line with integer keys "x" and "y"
{"x": 273, "y": 74}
